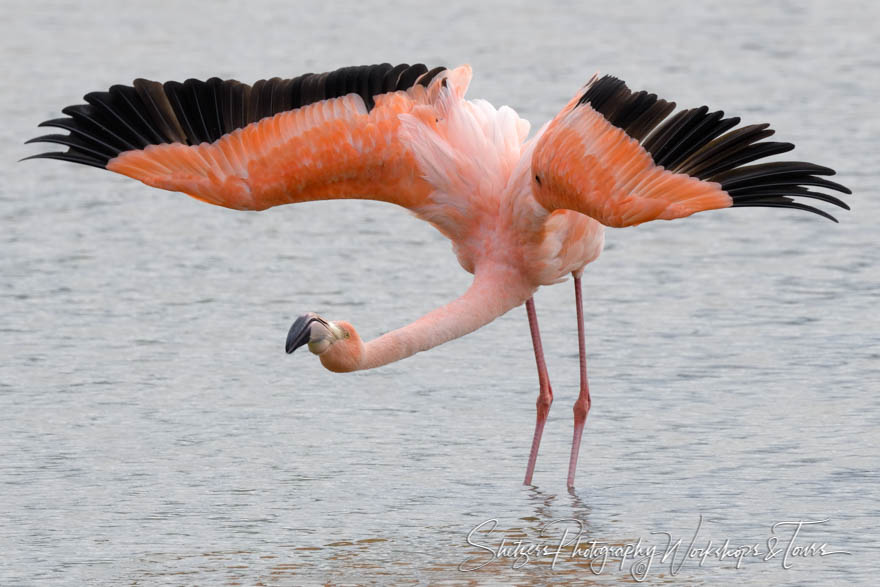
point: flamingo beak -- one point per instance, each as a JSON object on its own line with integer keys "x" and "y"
{"x": 301, "y": 331}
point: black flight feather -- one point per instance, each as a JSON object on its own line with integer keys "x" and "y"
{"x": 193, "y": 112}
{"x": 705, "y": 145}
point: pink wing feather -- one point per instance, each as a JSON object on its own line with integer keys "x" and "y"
{"x": 317, "y": 136}
{"x": 614, "y": 155}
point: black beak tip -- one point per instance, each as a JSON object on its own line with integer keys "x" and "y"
{"x": 298, "y": 334}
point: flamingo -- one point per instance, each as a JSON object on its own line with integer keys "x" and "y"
{"x": 521, "y": 212}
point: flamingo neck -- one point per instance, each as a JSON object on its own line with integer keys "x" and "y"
{"x": 492, "y": 293}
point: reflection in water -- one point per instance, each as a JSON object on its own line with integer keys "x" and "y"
{"x": 555, "y": 543}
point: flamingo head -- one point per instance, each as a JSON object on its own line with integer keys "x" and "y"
{"x": 336, "y": 343}
{"x": 315, "y": 331}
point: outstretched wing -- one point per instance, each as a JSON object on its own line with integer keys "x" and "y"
{"x": 617, "y": 156}
{"x": 317, "y": 136}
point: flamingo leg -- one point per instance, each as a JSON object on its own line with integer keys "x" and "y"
{"x": 545, "y": 393}
{"x": 582, "y": 405}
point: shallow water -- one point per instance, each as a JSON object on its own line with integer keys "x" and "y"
{"x": 152, "y": 431}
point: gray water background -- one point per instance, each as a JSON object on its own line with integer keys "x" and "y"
{"x": 152, "y": 431}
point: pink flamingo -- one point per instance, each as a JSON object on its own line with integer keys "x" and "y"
{"x": 520, "y": 213}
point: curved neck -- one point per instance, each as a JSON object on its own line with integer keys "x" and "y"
{"x": 492, "y": 293}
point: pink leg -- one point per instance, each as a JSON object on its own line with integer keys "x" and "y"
{"x": 545, "y": 393}
{"x": 582, "y": 405}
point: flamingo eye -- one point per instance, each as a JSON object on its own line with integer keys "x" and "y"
{"x": 538, "y": 179}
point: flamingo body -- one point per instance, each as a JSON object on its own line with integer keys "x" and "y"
{"x": 520, "y": 212}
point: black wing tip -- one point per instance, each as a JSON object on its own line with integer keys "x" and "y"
{"x": 833, "y": 185}
{"x": 192, "y": 112}
{"x": 784, "y": 203}
{"x": 601, "y": 87}
{"x": 426, "y": 79}
{"x": 708, "y": 147}
{"x": 606, "y": 90}
{"x": 781, "y": 184}
{"x": 67, "y": 156}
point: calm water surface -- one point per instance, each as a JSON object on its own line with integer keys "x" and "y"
{"x": 152, "y": 430}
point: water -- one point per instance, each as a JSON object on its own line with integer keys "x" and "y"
{"x": 152, "y": 431}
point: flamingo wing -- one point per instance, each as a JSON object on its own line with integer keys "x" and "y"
{"x": 280, "y": 141}
{"x": 619, "y": 157}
